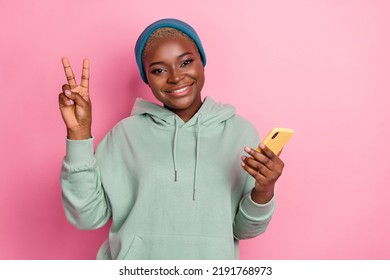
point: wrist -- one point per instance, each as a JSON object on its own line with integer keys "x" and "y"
{"x": 261, "y": 197}
{"x": 79, "y": 134}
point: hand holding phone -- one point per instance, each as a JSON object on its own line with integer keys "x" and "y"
{"x": 264, "y": 166}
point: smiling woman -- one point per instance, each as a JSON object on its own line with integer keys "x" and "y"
{"x": 168, "y": 176}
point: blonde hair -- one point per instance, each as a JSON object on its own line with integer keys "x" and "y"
{"x": 162, "y": 33}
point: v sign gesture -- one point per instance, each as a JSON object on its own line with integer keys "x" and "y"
{"x": 75, "y": 104}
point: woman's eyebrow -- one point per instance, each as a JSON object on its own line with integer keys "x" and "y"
{"x": 184, "y": 54}
{"x": 162, "y": 62}
{"x": 156, "y": 62}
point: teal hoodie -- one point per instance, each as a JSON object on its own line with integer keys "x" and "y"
{"x": 173, "y": 190}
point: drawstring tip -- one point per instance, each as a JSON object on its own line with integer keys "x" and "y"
{"x": 175, "y": 175}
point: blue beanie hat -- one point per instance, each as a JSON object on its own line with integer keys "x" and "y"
{"x": 168, "y": 22}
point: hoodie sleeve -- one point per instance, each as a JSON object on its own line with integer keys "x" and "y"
{"x": 84, "y": 199}
{"x": 251, "y": 219}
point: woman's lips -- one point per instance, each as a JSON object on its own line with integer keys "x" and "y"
{"x": 179, "y": 91}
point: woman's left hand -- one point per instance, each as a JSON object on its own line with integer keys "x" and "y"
{"x": 266, "y": 168}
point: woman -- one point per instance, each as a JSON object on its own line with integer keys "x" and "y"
{"x": 168, "y": 176}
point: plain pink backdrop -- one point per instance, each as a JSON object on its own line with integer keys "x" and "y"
{"x": 320, "y": 67}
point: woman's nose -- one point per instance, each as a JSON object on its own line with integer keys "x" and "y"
{"x": 174, "y": 76}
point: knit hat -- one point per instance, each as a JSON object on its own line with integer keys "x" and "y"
{"x": 168, "y": 22}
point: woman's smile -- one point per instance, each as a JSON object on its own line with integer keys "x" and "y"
{"x": 179, "y": 91}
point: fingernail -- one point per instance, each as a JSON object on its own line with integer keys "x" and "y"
{"x": 247, "y": 149}
{"x": 243, "y": 157}
{"x": 68, "y": 92}
{"x": 262, "y": 146}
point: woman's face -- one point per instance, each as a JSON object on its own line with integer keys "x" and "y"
{"x": 175, "y": 74}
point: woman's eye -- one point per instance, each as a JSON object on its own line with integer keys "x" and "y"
{"x": 187, "y": 62}
{"x": 157, "y": 71}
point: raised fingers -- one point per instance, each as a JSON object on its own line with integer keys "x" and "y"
{"x": 69, "y": 73}
{"x": 85, "y": 74}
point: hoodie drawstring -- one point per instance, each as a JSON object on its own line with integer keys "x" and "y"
{"x": 174, "y": 146}
{"x": 197, "y": 152}
{"x": 197, "y": 156}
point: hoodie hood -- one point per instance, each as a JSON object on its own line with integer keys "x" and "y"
{"x": 210, "y": 114}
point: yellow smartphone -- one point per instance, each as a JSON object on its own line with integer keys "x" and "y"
{"x": 277, "y": 138}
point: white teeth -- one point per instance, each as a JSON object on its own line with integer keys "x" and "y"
{"x": 179, "y": 90}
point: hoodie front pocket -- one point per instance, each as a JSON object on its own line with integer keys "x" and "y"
{"x": 180, "y": 247}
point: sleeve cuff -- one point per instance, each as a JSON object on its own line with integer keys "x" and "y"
{"x": 255, "y": 210}
{"x": 79, "y": 151}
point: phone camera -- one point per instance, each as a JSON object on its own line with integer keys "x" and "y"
{"x": 276, "y": 134}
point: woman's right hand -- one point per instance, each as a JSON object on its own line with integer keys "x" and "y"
{"x": 75, "y": 104}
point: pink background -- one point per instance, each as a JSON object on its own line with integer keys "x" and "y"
{"x": 320, "y": 67}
